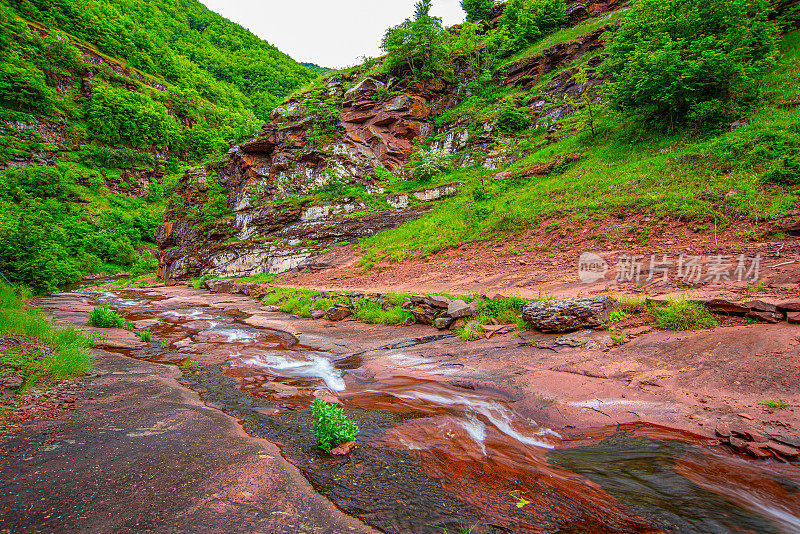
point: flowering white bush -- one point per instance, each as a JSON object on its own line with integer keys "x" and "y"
{"x": 429, "y": 163}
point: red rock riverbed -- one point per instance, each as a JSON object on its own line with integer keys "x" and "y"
{"x": 517, "y": 434}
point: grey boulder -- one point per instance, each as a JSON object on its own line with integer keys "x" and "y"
{"x": 566, "y": 315}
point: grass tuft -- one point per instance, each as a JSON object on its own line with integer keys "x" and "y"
{"x": 68, "y": 355}
{"x": 683, "y": 315}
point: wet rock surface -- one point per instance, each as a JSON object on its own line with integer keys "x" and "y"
{"x": 451, "y": 433}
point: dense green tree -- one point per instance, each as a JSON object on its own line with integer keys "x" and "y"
{"x": 23, "y": 87}
{"x": 478, "y": 9}
{"x": 118, "y": 116}
{"x": 526, "y": 21}
{"x": 419, "y": 43}
{"x": 691, "y": 60}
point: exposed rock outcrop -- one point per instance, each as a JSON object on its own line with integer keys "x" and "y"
{"x": 566, "y": 315}
{"x": 350, "y": 131}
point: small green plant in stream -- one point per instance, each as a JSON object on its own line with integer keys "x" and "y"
{"x": 774, "y": 404}
{"x": 683, "y": 315}
{"x": 331, "y": 427}
{"x": 102, "y": 317}
{"x": 191, "y": 366}
{"x": 145, "y": 335}
{"x": 165, "y": 344}
{"x": 616, "y": 333}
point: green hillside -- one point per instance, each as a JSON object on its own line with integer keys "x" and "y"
{"x": 182, "y": 42}
{"x": 94, "y": 132}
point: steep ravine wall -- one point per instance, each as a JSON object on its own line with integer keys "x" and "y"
{"x": 282, "y": 186}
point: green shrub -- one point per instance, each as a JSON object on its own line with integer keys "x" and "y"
{"x": 785, "y": 172}
{"x": 419, "y": 44}
{"x": 512, "y": 119}
{"x": 691, "y": 61}
{"x": 478, "y": 9}
{"x": 145, "y": 335}
{"x": 526, "y": 21}
{"x": 102, "y": 317}
{"x": 122, "y": 252}
{"x": 683, "y": 315}
{"x": 428, "y": 163}
{"x": 144, "y": 264}
{"x": 117, "y": 116}
{"x": 331, "y": 427}
{"x": 216, "y": 204}
{"x": 23, "y": 87}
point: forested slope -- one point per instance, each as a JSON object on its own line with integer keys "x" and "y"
{"x": 102, "y": 107}
{"x": 181, "y": 41}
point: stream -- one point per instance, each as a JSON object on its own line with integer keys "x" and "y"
{"x": 437, "y": 456}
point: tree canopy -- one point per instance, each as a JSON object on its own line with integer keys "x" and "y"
{"x": 691, "y": 60}
{"x": 183, "y": 42}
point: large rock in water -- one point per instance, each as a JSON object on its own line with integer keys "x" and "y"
{"x": 565, "y": 315}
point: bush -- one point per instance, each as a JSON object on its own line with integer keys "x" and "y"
{"x": 122, "y": 252}
{"x": 691, "y": 61}
{"x": 118, "y": 116}
{"x": 331, "y": 427}
{"x": 526, "y": 21}
{"x": 23, "y": 88}
{"x": 428, "y": 163}
{"x": 478, "y": 9}
{"x": 785, "y": 172}
{"x": 216, "y": 204}
{"x": 683, "y": 315}
{"x": 145, "y": 335}
{"x": 512, "y": 119}
{"x": 418, "y": 44}
{"x": 102, "y": 317}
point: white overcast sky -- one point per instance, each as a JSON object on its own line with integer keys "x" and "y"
{"x": 330, "y": 33}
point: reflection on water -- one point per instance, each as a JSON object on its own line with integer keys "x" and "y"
{"x": 689, "y": 488}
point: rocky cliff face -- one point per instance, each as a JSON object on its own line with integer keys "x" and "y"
{"x": 298, "y": 189}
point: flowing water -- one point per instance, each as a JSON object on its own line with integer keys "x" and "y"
{"x": 435, "y": 457}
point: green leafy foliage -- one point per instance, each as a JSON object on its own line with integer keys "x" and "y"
{"x": 478, "y": 9}
{"x": 23, "y": 87}
{"x": 331, "y": 427}
{"x": 418, "y": 45}
{"x": 683, "y": 315}
{"x": 102, "y": 317}
{"x": 181, "y": 41}
{"x": 118, "y": 116}
{"x": 785, "y": 172}
{"x": 680, "y": 61}
{"x": 145, "y": 335}
{"x": 512, "y": 119}
{"x": 46, "y": 242}
{"x": 526, "y": 21}
{"x": 216, "y": 204}
{"x": 428, "y": 163}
